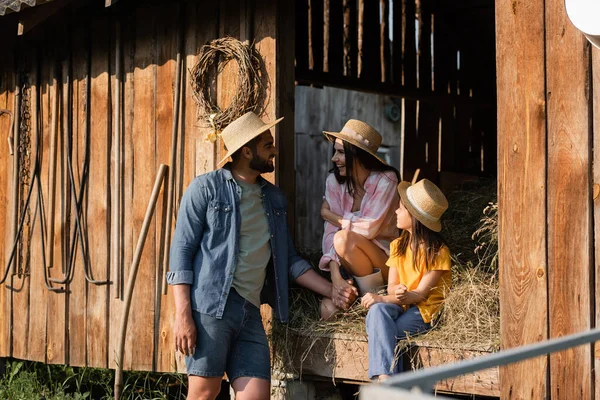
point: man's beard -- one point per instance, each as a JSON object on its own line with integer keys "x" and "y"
{"x": 261, "y": 165}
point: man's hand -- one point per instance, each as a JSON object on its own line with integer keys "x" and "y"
{"x": 184, "y": 331}
{"x": 343, "y": 293}
{"x": 401, "y": 293}
{"x": 371, "y": 298}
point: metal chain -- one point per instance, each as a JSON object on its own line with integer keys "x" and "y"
{"x": 24, "y": 152}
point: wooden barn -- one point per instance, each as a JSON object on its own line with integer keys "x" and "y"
{"x": 91, "y": 104}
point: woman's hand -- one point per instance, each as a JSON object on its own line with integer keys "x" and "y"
{"x": 371, "y": 298}
{"x": 401, "y": 293}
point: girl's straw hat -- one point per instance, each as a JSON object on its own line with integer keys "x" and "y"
{"x": 424, "y": 201}
{"x": 243, "y": 130}
{"x": 361, "y": 135}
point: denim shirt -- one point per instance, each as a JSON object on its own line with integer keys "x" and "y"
{"x": 206, "y": 241}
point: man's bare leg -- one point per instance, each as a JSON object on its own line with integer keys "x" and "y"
{"x": 247, "y": 388}
{"x": 203, "y": 388}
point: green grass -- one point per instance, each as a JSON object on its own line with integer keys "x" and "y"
{"x": 25, "y": 380}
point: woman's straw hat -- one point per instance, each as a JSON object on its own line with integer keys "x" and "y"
{"x": 361, "y": 135}
{"x": 243, "y": 130}
{"x": 424, "y": 201}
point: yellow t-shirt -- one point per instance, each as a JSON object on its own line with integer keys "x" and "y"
{"x": 411, "y": 277}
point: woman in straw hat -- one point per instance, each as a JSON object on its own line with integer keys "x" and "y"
{"x": 419, "y": 277}
{"x": 358, "y": 209}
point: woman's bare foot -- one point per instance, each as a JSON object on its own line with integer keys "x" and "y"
{"x": 328, "y": 309}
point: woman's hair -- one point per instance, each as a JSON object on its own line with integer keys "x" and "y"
{"x": 424, "y": 239}
{"x": 369, "y": 162}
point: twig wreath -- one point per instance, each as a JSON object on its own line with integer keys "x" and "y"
{"x": 250, "y": 88}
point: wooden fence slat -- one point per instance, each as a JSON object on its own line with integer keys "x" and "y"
{"x": 45, "y": 92}
{"x": 384, "y": 40}
{"x": 350, "y": 38}
{"x": 129, "y": 25}
{"x": 77, "y": 288}
{"x": 7, "y": 102}
{"x": 568, "y": 182}
{"x": 428, "y": 118}
{"x": 140, "y": 331}
{"x": 20, "y": 283}
{"x": 596, "y": 200}
{"x": 98, "y": 194}
{"x": 522, "y": 195}
{"x": 411, "y": 158}
{"x": 396, "y": 44}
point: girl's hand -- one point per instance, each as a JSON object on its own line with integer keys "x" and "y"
{"x": 401, "y": 293}
{"x": 343, "y": 293}
{"x": 371, "y": 298}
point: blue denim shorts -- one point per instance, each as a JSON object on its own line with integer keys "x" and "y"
{"x": 236, "y": 344}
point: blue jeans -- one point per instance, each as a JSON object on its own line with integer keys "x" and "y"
{"x": 386, "y": 325}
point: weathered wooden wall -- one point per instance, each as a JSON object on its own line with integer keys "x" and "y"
{"x": 546, "y": 130}
{"x": 73, "y": 55}
{"x": 436, "y": 59}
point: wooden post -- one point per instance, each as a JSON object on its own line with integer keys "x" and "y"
{"x": 522, "y": 195}
{"x": 568, "y": 189}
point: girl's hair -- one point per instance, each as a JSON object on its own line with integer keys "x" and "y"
{"x": 422, "y": 238}
{"x": 365, "y": 159}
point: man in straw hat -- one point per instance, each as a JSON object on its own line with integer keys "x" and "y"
{"x": 231, "y": 252}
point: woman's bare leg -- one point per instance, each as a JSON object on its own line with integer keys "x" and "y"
{"x": 359, "y": 255}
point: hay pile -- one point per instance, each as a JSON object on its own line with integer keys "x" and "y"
{"x": 470, "y": 319}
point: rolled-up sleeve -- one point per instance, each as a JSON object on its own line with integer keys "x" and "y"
{"x": 188, "y": 234}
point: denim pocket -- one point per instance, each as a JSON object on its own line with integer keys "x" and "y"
{"x": 219, "y": 214}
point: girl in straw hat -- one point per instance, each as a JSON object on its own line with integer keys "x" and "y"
{"x": 419, "y": 277}
{"x": 358, "y": 209}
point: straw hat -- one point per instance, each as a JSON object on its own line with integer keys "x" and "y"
{"x": 424, "y": 201}
{"x": 243, "y": 130}
{"x": 361, "y": 135}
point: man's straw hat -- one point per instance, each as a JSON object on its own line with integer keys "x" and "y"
{"x": 361, "y": 135}
{"x": 243, "y": 130}
{"x": 424, "y": 201}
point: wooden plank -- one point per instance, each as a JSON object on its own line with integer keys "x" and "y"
{"x": 384, "y": 41}
{"x": 7, "y": 102}
{"x": 343, "y": 358}
{"x": 482, "y": 383}
{"x": 45, "y": 92}
{"x": 428, "y": 118}
{"x": 98, "y": 194}
{"x": 140, "y": 331}
{"x": 411, "y": 160}
{"x": 397, "y": 43}
{"x": 77, "y": 288}
{"x": 522, "y": 196}
{"x": 568, "y": 184}
{"x": 350, "y": 38}
{"x": 596, "y": 200}
{"x": 130, "y": 89}
{"x": 20, "y": 282}
{"x": 167, "y": 31}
